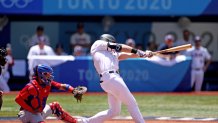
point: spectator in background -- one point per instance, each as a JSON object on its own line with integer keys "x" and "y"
{"x": 139, "y": 46}
{"x": 5, "y": 72}
{"x": 10, "y": 59}
{"x": 78, "y": 51}
{"x": 39, "y": 33}
{"x": 168, "y": 43}
{"x": 201, "y": 59}
{"x": 59, "y": 50}
{"x": 3, "y": 60}
{"x": 80, "y": 38}
{"x": 152, "y": 46}
{"x": 130, "y": 42}
{"x": 40, "y": 49}
{"x": 186, "y": 40}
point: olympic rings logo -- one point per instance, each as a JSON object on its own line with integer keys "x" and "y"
{"x": 16, "y": 3}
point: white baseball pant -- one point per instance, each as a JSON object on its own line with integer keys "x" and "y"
{"x": 197, "y": 79}
{"x": 118, "y": 93}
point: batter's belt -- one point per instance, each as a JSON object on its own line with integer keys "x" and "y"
{"x": 111, "y": 71}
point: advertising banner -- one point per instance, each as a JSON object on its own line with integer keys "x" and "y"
{"x": 110, "y": 7}
{"x": 139, "y": 75}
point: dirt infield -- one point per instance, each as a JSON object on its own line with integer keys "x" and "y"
{"x": 121, "y": 121}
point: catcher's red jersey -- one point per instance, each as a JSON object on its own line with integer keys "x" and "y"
{"x": 33, "y": 96}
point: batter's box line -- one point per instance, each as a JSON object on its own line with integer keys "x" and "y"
{"x": 185, "y": 118}
{"x": 156, "y": 118}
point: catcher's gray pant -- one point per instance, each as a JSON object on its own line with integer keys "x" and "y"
{"x": 28, "y": 117}
{"x": 118, "y": 93}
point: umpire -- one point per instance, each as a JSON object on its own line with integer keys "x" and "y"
{"x": 2, "y": 64}
{"x": 3, "y": 54}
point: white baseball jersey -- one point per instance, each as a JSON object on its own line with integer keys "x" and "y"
{"x": 35, "y": 50}
{"x": 198, "y": 57}
{"x": 104, "y": 60}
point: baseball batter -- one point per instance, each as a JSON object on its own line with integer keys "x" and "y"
{"x": 200, "y": 62}
{"x": 32, "y": 98}
{"x": 106, "y": 55}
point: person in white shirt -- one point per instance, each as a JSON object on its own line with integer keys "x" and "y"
{"x": 106, "y": 55}
{"x": 201, "y": 59}
{"x": 80, "y": 38}
{"x": 40, "y": 49}
{"x": 39, "y": 33}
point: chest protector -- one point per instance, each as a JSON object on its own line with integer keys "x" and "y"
{"x": 35, "y": 95}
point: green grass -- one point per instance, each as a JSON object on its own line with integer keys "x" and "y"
{"x": 150, "y": 105}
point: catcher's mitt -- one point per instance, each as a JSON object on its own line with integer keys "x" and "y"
{"x": 78, "y": 92}
{"x": 1, "y": 101}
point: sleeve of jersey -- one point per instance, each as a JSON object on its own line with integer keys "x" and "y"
{"x": 99, "y": 46}
{"x": 56, "y": 84}
{"x": 30, "y": 53}
{"x": 208, "y": 56}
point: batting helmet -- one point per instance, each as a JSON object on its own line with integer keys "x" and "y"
{"x": 108, "y": 37}
{"x": 44, "y": 73}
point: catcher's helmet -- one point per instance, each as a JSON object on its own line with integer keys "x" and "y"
{"x": 108, "y": 37}
{"x": 44, "y": 73}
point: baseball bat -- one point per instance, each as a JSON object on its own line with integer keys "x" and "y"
{"x": 174, "y": 49}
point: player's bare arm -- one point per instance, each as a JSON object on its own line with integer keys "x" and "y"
{"x": 124, "y": 56}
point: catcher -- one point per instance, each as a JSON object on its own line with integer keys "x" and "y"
{"x": 32, "y": 98}
{"x": 3, "y": 61}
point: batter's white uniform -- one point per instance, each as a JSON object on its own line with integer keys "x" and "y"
{"x": 198, "y": 61}
{"x": 106, "y": 61}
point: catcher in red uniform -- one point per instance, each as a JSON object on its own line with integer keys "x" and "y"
{"x": 32, "y": 98}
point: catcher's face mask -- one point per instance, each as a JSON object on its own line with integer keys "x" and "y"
{"x": 44, "y": 73}
{"x": 47, "y": 77}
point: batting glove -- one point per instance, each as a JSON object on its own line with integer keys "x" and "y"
{"x": 141, "y": 53}
{"x": 148, "y": 53}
